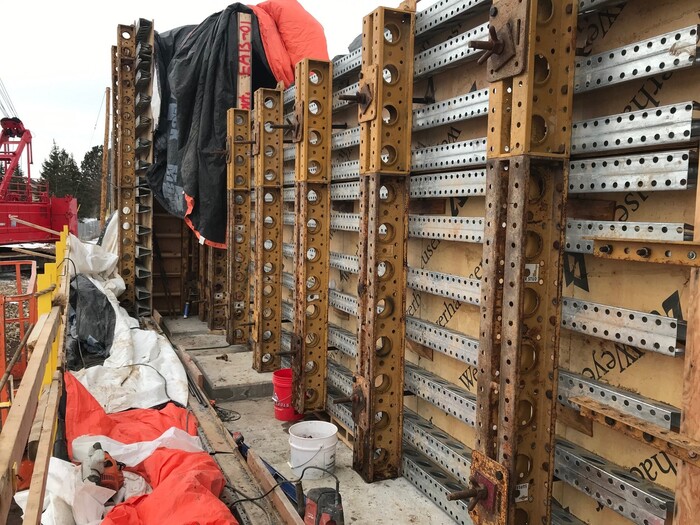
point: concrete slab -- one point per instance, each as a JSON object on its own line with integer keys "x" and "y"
{"x": 385, "y": 502}
{"x": 230, "y": 375}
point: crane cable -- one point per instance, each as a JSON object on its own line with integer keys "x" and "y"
{"x": 6, "y": 101}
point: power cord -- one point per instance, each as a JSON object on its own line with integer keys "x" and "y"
{"x": 241, "y": 500}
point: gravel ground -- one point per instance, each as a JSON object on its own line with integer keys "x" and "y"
{"x": 8, "y": 287}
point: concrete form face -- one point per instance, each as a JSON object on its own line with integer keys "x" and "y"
{"x": 606, "y": 355}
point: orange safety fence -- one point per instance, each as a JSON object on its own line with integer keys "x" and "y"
{"x": 18, "y": 312}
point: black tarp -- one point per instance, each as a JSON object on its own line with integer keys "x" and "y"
{"x": 196, "y": 68}
{"x": 91, "y": 321}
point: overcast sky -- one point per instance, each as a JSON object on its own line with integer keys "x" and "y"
{"x": 55, "y": 58}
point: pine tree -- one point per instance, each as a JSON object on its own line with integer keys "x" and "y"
{"x": 90, "y": 184}
{"x": 61, "y": 173}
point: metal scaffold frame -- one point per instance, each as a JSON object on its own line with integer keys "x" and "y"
{"x": 313, "y": 80}
{"x": 238, "y": 171}
{"x": 384, "y": 98}
{"x": 530, "y": 69}
{"x": 267, "y": 299}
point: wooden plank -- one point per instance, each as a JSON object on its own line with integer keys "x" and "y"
{"x": 190, "y": 366}
{"x": 688, "y": 483}
{"x": 15, "y": 433}
{"x": 35, "y": 432}
{"x": 279, "y": 500}
{"x": 35, "y": 500}
{"x": 36, "y": 333}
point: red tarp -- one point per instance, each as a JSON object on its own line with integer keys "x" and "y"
{"x": 186, "y": 485}
{"x": 289, "y": 34}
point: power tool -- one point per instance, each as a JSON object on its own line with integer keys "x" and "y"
{"x": 101, "y": 469}
{"x": 324, "y": 506}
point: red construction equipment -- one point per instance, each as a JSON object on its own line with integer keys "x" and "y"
{"x": 26, "y": 198}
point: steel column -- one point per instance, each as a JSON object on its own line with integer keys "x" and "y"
{"x": 238, "y": 195}
{"x": 385, "y": 114}
{"x": 144, "y": 158}
{"x": 267, "y": 300}
{"x": 313, "y": 80}
{"x": 529, "y": 129}
{"x": 125, "y": 150}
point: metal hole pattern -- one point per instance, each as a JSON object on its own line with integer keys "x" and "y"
{"x": 272, "y": 237}
{"x": 449, "y": 53}
{"x": 667, "y": 52}
{"x": 455, "y": 109}
{"x": 575, "y": 385}
{"x": 465, "y": 154}
{"x": 663, "y": 171}
{"x": 629, "y": 327}
{"x": 661, "y": 126}
{"x": 343, "y": 302}
{"x": 642, "y": 501}
{"x": 459, "y": 229}
{"x": 445, "y": 285}
{"x": 446, "y": 341}
{"x": 345, "y": 139}
{"x": 451, "y": 184}
{"x": 579, "y": 233}
{"x": 452, "y": 399}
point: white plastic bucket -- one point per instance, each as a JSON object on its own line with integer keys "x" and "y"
{"x": 312, "y": 443}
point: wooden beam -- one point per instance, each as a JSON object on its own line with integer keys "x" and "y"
{"x": 35, "y": 500}
{"x": 688, "y": 481}
{"x": 279, "y": 499}
{"x": 15, "y": 433}
{"x": 35, "y": 226}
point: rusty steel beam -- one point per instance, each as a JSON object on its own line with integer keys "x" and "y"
{"x": 314, "y": 120}
{"x": 217, "y": 306}
{"x": 267, "y": 299}
{"x": 238, "y": 172}
{"x": 385, "y": 116}
{"x": 126, "y": 160}
{"x": 530, "y": 67}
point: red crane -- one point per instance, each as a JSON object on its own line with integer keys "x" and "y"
{"x": 26, "y": 198}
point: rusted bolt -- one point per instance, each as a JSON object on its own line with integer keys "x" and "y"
{"x": 358, "y": 97}
{"x": 644, "y": 252}
{"x": 606, "y": 248}
{"x": 493, "y": 45}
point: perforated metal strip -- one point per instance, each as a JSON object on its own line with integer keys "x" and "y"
{"x": 660, "y": 414}
{"x": 344, "y": 262}
{"x": 346, "y": 138}
{"x": 663, "y": 171}
{"x": 450, "y": 184}
{"x": 579, "y": 233}
{"x": 641, "y": 501}
{"x": 444, "y": 157}
{"x": 463, "y": 107}
{"x": 629, "y": 327}
{"x": 450, "y": 398}
{"x": 444, "y": 284}
{"x": 660, "y": 54}
{"x": 342, "y": 340}
{"x": 340, "y": 377}
{"x": 446, "y": 341}
{"x": 459, "y": 229}
{"x": 343, "y": 302}
{"x": 449, "y": 453}
{"x": 450, "y": 53}
{"x": 656, "y": 127}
